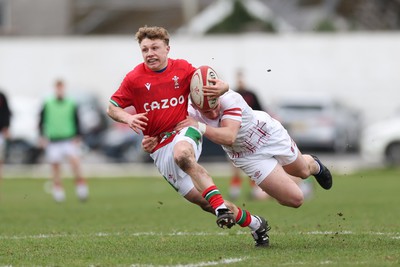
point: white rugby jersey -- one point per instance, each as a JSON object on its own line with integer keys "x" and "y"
{"x": 256, "y": 126}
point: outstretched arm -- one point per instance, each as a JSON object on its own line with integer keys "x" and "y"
{"x": 136, "y": 122}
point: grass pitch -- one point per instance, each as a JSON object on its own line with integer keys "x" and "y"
{"x": 143, "y": 222}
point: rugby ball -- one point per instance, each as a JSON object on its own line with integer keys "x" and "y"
{"x": 199, "y": 79}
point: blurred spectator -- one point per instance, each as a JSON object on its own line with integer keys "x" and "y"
{"x": 249, "y": 96}
{"x": 5, "y": 116}
{"x": 235, "y": 184}
{"x": 60, "y": 136}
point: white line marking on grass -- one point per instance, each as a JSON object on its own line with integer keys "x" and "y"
{"x": 380, "y": 233}
{"x": 327, "y": 262}
{"x": 329, "y": 232}
{"x": 394, "y": 235}
{"x": 39, "y": 236}
{"x": 102, "y": 234}
{"x": 199, "y": 264}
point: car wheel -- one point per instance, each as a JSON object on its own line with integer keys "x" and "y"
{"x": 393, "y": 154}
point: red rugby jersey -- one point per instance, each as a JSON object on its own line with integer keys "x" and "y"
{"x": 164, "y": 95}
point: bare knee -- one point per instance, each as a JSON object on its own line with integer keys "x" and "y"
{"x": 293, "y": 201}
{"x": 297, "y": 201}
{"x": 283, "y": 187}
{"x": 184, "y": 156}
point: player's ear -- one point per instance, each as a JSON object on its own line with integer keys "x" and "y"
{"x": 168, "y": 48}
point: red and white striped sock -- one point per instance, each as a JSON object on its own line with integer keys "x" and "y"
{"x": 244, "y": 219}
{"x": 214, "y": 197}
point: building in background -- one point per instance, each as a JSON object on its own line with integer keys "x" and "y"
{"x": 106, "y": 28}
{"x": 89, "y": 17}
{"x": 82, "y": 17}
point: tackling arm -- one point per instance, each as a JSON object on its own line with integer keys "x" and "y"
{"x": 225, "y": 134}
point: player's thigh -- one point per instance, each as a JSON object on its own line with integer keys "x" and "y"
{"x": 279, "y": 185}
{"x": 188, "y": 143}
{"x": 256, "y": 166}
{"x": 175, "y": 176}
{"x": 299, "y": 167}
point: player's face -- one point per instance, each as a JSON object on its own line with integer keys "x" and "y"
{"x": 212, "y": 114}
{"x": 154, "y": 53}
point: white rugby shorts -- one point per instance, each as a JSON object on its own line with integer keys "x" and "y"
{"x": 57, "y": 151}
{"x": 280, "y": 148}
{"x": 165, "y": 163}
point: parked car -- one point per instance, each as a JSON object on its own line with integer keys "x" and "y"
{"x": 121, "y": 144}
{"x": 93, "y": 118}
{"x": 380, "y": 142}
{"x": 320, "y": 122}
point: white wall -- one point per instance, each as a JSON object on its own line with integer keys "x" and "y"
{"x": 361, "y": 69}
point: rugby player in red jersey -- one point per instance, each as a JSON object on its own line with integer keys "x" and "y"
{"x": 159, "y": 90}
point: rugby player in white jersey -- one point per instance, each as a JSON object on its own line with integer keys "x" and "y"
{"x": 259, "y": 145}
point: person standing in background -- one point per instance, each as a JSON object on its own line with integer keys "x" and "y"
{"x": 5, "y": 117}
{"x": 60, "y": 136}
{"x": 235, "y": 182}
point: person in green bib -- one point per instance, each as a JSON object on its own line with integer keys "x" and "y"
{"x": 60, "y": 136}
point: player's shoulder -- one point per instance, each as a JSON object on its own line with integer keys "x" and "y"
{"x": 138, "y": 72}
{"x": 181, "y": 64}
{"x": 178, "y": 61}
{"x": 140, "y": 68}
{"x": 231, "y": 95}
{"x": 231, "y": 99}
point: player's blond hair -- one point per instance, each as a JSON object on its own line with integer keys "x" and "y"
{"x": 152, "y": 33}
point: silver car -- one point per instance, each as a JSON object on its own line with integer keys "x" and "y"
{"x": 320, "y": 122}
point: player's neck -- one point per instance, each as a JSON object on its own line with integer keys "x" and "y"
{"x": 162, "y": 70}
